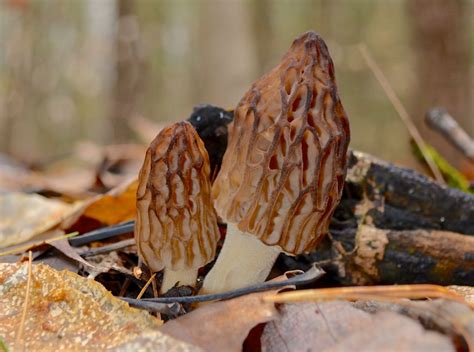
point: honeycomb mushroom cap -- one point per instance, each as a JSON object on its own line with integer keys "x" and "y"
{"x": 283, "y": 171}
{"x": 176, "y": 225}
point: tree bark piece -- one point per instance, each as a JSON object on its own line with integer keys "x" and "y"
{"x": 371, "y": 255}
{"x": 404, "y": 199}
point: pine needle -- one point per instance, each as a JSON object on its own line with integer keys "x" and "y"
{"x": 20, "y": 342}
{"x": 383, "y": 293}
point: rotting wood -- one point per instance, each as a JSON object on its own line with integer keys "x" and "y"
{"x": 380, "y": 256}
{"x": 408, "y": 199}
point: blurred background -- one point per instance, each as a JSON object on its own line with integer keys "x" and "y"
{"x": 94, "y": 70}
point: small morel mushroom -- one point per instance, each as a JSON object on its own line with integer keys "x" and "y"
{"x": 176, "y": 228}
{"x": 283, "y": 171}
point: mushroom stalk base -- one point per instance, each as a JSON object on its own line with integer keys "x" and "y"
{"x": 186, "y": 277}
{"x": 244, "y": 260}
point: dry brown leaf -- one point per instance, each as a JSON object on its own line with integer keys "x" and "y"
{"x": 23, "y": 216}
{"x": 103, "y": 263}
{"x": 117, "y": 205}
{"x": 65, "y": 311}
{"x": 222, "y": 326}
{"x": 337, "y": 326}
{"x": 64, "y": 247}
{"x": 39, "y": 240}
{"x": 451, "y": 318}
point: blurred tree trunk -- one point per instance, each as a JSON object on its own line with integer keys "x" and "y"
{"x": 128, "y": 70}
{"x": 441, "y": 41}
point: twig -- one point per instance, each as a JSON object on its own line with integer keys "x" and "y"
{"x": 102, "y": 234}
{"x": 402, "y": 112}
{"x": 150, "y": 280}
{"x": 21, "y": 329}
{"x": 302, "y": 279}
{"x": 108, "y": 248}
{"x": 125, "y": 285}
{"x": 441, "y": 121}
{"x": 155, "y": 288}
{"x": 169, "y": 309}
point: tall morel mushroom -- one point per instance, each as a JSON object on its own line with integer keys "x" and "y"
{"x": 176, "y": 228}
{"x": 283, "y": 171}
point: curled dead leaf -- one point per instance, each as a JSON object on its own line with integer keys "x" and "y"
{"x": 117, "y": 205}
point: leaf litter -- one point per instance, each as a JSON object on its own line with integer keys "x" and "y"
{"x": 65, "y": 310}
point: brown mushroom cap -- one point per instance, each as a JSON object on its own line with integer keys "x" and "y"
{"x": 284, "y": 167}
{"x": 176, "y": 225}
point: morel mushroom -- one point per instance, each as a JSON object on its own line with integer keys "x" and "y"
{"x": 176, "y": 228}
{"x": 283, "y": 171}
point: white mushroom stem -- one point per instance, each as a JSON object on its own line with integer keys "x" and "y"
{"x": 244, "y": 260}
{"x": 181, "y": 277}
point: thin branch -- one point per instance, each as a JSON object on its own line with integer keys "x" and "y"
{"x": 442, "y": 122}
{"x": 108, "y": 248}
{"x": 102, "y": 234}
{"x": 310, "y": 276}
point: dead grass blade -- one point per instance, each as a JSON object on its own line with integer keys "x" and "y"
{"x": 402, "y": 112}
